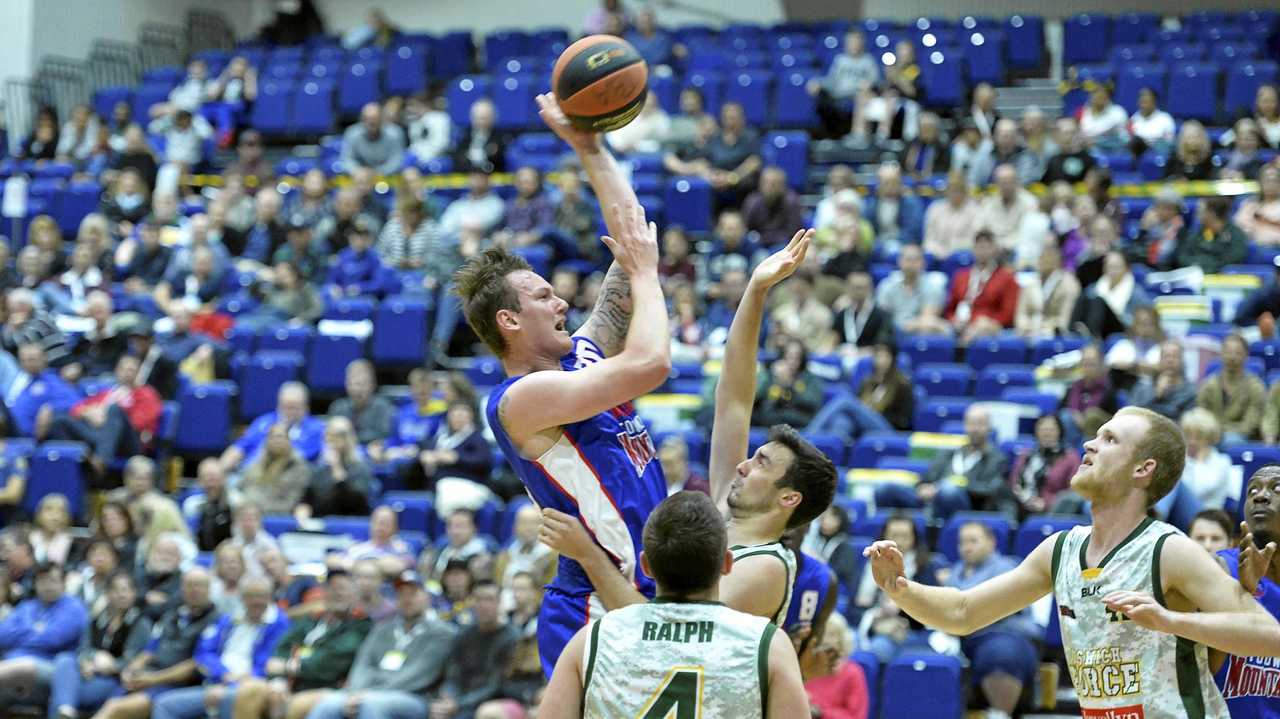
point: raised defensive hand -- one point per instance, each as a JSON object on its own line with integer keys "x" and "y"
{"x": 1253, "y": 562}
{"x": 887, "y": 567}
{"x": 1141, "y": 607}
{"x": 636, "y": 247}
{"x": 781, "y": 264}
{"x": 554, "y": 118}
{"x": 565, "y": 534}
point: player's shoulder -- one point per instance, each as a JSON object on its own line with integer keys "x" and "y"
{"x": 584, "y": 352}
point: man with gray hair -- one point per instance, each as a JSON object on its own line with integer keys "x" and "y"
{"x": 373, "y": 143}
{"x": 896, "y": 215}
{"x": 1004, "y": 147}
{"x": 140, "y": 488}
{"x": 26, "y": 322}
{"x": 306, "y": 432}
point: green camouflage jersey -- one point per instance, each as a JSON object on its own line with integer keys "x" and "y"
{"x": 784, "y": 555}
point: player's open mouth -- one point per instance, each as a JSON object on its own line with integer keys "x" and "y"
{"x": 560, "y": 326}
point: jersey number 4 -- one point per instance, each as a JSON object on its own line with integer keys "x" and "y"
{"x": 679, "y": 696}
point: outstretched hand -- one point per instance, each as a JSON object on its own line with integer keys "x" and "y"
{"x": 887, "y": 566}
{"x": 1140, "y": 607}
{"x": 781, "y": 264}
{"x": 636, "y": 247}
{"x": 565, "y": 534}
{"x": 1254, "y": 563}
{"x": 555, "y": 119}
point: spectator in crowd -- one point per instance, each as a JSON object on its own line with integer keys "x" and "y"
{"x": 481, "y": 147}
{"x": 184, "y": 135}
{"x": 1089, "y": 401}
{"x": 278, "y": 479}
{"x": 1192, "y": 157}
{"x": 66, "y": 294}
{"x": 36, "y": 391}
{"x": 141, "y": 263}
{"x": 43, "y": 141}
{"x": 531, "y": 213}
{"x": 1072, "y": 160}
{"x": 399, "y": 665}
{"x": 79, "y": 135}
{"x": 45, "y": 234}
{"x": 250, "y": 534}
{"x": 984, "y": 297}
{"x": 964, "y": 147}
{"x": 370, "y": 600}
{"x": 188, "y": 95}
{"x": 251, "y": 163}
{"x": 1150, "y": 128}
{"x": 340, "y": 481}
{"x": 1259, "y": 215}
{"x": 839, "y": 177}
{"x": 1046, "y": 302}
{"x": 462, "y": 544}
{"x": 1005, "y": 655}
{"x": 37, "y": 630}
{"x": 1234, "y": 396}
{"x": 455, "y": 460}
{"x": 26, "y": 323}
{"x": 166, "y": 662}
{"x": 803, "y": 316}
{"x": 137, "y": 155}
{"x": 1207, "y": 480}
{"x": 927, "y": 155}
{"x": 654, "y": 44}
{"x": 266, "y": 234}
{"x": 852, "y": 73}
{"x": 647, "y": 133}
{"x": 115, "y": 525}
{"x": 19, "y": 564}
{"x": 860, "y": 324}
{"x": 1262, "y": 305}
{"x": 194, "y": 289}
{"x": 92, "y": 583}
{"x": 1245, "y": 158}
{"x": 979, "y": 462}
{"x": 155, "y": 369}
{"x": 901, "y": 70}
{"x": 236, "y": 647}
{"x": 773, "y": 211}
{"x": 373, "y": 142}
{"x": 1168, "y": 393}
{"x": 1041, "y": 473}
{"x": 32, "y": 269}
{"x": 235, "y": 88}
{"x": 480, "y": 207}
{"x": 101, "y": 345}
{"x": 885, "y": 400}
{"x": 371, "y": 414}
{"x": 841, "y": 694}
{"x": 305, "y": 431}
{"x": 688, "y": 123}
{"x": 1217, "y": 243}
{"x": 314, "y": 655}
{"x": 673, "y": 453}
{"x": 453, "y": 602}
{"x": 846, "y": 244}
{"x": 376, "y": 31}
{"x": 525, "y": 554}
{"x": 209, "y": 512}
{"x": 480, "y": 655}
{"x": 788, "y": 393}
{"x": 414, "y": 422}
{"x": 1008, "y": 214}
{"x": 896, "y": 215}
{"x": 296, "y": 594}
{"x": 1003, "y": 148}
{"x": 116, "y": 422}
{"x": 1103, "y": 123}
{"x": 410, "y": 237}
{"x": 1266, "y": 112}
{"x": 828, "y": 540}
{"x": 1213, "y": 529}
{"x": 384, "y": 544}
{"x": 882, "y": 628}
{"x": 83, "y": 680}
{"x": 357, "y": 270}
{"x": 50, "y": 539}
{"x": 949, "y": 225}
{"x": 888, "y": 117}
{"x": 228, "y": 571}
{"x": 1161, "y": 229}
{"x": 732, "y": 156}
{"x": 430, "y": 129}
{"x": 160, "y": 577}
{"x": 915, "y": 299}
{"x": 731, "y": 237}
{"x": 1110, "y": 303}
{"x": 982, "y": 110}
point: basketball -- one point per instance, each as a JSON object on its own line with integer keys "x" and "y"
{"x": 600, "y": 82}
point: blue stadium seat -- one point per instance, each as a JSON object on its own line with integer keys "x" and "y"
{"x": 80, "y": 199}
{"x": 871, "y": 526}
{"x": 288, "y": 70}
{"x": 711, "y": 85}
{"x": 146, "y": 95}
{"x": 277, "y": 524}
{"x": 688, "y": 203}
{"x": 984, "y": 55}
{"x": 55, "y": 469}
{"x": 1134, "y": 27}
{"x": 287, "y": 339}
{"x": 1230, "y": 53}
{"x": 313, "y": 108}
{"x": 790, "y": 151}
{"x": 355, "y": 527}
{"x": 485, "y": 372}
{"x": 204, "y": 418}
{"x": 407, "y": 68}
{"x": 400, "y": 331}
{"x": 944, "y": 379}
{"x": 908, "y": 464}
{"x": 416, "y": 512}
{"x": 927, "y": 348}
{"x": 997, "y": 378}
{"x": 1002, "y": 349}
{"x": 453, "y": 53}
{"x": 1047, "y": 403}
{"x": 328, "y": 70}
{"x": 751, "y": 90}
{"x": 1183, "y": 52}
{"x": 270, "y": 113}
{"x": 933, "y": 414}
{"x": 707, "y": 60}
{"x": 328, "y": 360}
{"x": 105, "y": 99}
{"x": 513, "y": 102}
{"x": 464, "y": 91}
{"x": 1086, "y": 38}
{"x": 668, "y": 92}
{"x": 260, "y": 377}
{"x": 1268, "y": 351}
{"x": 942, "y": 71}
{"x": 1243, "y": 81}
{"x": 503, "y": 44}
{"x": 793, "y": 105}
{"x": 872, "y": 446}
{"x": 1120, "y": 54}
{"x": 1192, "y": 91}
{"x": 1036, "y": 528}
{"x": 831, "y": 445}
{"x": 1000, "y": 524}
{"x": 870, "y": 664}
{"x": 909, "y": 673}
{"x": 1135, "y": 76}
{"x": 507, "y": 522}
{"x": 1025, "y": 34}
{"x": 360, "y": 84}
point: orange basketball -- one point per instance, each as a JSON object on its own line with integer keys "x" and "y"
{"x": 600, "y": 82}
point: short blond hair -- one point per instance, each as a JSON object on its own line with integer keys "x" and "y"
{"x": 837, "y": 629}
{"x": 1200, "y": 422}
{"x": 1162, "y": 442}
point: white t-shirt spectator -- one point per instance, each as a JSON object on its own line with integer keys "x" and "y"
{"x": 1155, "y": 128}
{"x": 1108, "y": 124}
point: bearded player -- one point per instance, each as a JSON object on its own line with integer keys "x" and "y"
{"x": 1138, "y": 601}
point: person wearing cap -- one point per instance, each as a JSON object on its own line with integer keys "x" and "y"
{"x": 116, "y": 422}
{"x": 236, "y": 647}
{"x": 400, "y": 664}
{"x": 357, "y": 270}
{"x": 155, "y": 368}
{"x": 301, "y": 249}
{"x": 314, "y": 654}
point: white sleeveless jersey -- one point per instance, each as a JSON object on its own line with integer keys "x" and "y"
{"x": 677, "y": 659}
{"x": 1121, "y": 670}
{"x": 788, "y": 559}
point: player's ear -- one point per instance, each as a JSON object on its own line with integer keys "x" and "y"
{"x": 790, "y": 499}
{"x": 644, "y": 565}
{"x": 507, "y": 320}
{"x": 1145, "y": 472}
{"x": 728, "y": 563}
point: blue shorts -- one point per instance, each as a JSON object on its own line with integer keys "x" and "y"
{"x": 559, "y": 618}
{"x": 1003, "y": 652}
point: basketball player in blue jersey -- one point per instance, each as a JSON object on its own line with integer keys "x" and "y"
{"x": 564, "y": 417}
{"x": 786, "y": 483}
{"x": 1251, "y": 685}
{"x": 814, "y": 593}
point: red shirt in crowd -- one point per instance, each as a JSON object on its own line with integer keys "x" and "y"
{"x": 141, "y": 404}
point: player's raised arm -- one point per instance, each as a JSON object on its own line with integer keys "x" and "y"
{"x": 563, "y": 698}
{"x": 736, "y": 389}
{"x": 543, "y": 400}
{"x": 1228, "y": 619}
{"x": 962, "y": 612}
{"x": 609, "y": 319}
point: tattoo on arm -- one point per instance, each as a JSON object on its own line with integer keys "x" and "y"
{"x": 611, "y": 316}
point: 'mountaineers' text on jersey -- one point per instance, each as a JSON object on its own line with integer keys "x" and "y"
{"x": 784, "y": 555}
{"x": 1251, "y": 685}
{"x": 1121, "y": 670}
{"x": 677, "y": 659}
{"x": 602, "y": 470}
{"x": 809, "y": 591}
